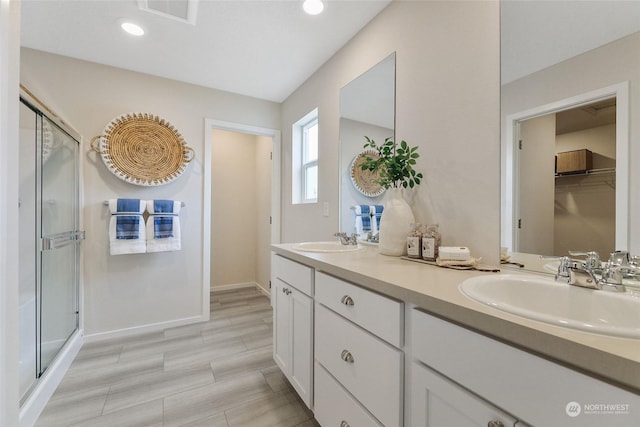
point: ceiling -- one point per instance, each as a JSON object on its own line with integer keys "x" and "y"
{"x": 259, "y": 48}
{"x": 268, "y": 48}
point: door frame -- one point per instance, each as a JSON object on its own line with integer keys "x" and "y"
{"x": 209, "y": 126}
{"x": 509, "y": 208}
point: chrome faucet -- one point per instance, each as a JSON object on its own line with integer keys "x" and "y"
{"x": 589, "y": 273}
{"x": 345, "y": 239}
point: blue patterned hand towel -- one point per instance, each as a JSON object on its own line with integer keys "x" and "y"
{"x": 163, "y": 224}
{"x": 365, "y": 212}
{"x": 128, "y": 226}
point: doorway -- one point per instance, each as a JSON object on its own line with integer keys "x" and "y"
{"x": 567, "y": 171}
{"x": 243, "y": 202}
{"x": 607, "y": 174}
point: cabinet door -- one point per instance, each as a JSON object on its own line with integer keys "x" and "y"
{"x": 281, "y": 325}
{"x": 334, "y": 406}
{"x": 292, "y": 337}
{"x": 301, "y": 342}
{"x": 438, "y": 402}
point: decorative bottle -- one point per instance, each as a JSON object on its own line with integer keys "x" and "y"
{"x": 431, "y": 241}
{"x": 414, "y": 241}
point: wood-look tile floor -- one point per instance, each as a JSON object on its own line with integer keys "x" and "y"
{"x": 219, "y": 373}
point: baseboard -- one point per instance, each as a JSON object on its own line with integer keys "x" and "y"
{"x": 236, "y": 286}
{"x": 154, "y": 327}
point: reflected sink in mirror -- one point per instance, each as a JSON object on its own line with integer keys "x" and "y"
{"x": 543, "y": 299}
{"x": 325, "y": 247}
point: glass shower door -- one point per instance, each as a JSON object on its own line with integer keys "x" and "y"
{"x": 59, "y": 223}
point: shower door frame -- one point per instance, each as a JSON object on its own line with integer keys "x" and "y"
{"x": 47, "y": 380}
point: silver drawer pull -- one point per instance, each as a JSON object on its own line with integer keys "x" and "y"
{"x": 347, "y": 300}
{"x": 286, "y": 291}
{"x": 347, "y": 356}
{"x": 344, "y": 424}
{"x": 495, "y": 423}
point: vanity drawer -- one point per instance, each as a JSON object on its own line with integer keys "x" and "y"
{"x": 334, "y": 406}
{"x": 293, "y": 273}
{"x": 374, "y": 312}
{"x": 369, "y": 368}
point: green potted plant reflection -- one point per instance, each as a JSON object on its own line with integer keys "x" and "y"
{"x": 394, "y": 164}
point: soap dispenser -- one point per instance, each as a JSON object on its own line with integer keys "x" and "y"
{"x": 414, "y": 241}
{"x": 431, "y": 241}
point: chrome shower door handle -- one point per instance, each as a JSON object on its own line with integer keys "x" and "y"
{"x": 62, "y": 239}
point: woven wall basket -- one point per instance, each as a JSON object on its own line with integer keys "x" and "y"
{"x": 363, "y": 180}
{"x": 143, "y": 149}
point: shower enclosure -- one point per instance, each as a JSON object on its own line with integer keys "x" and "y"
{"x": 49, "y": 241}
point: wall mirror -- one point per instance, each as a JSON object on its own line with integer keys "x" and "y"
{"x": 367, "y": 107}
{"x": 566, "y": 68}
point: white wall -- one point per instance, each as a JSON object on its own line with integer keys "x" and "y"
{"x": 447, "y": 102}
{"x": 233, "y": 207}
{"x": 602, "y": 67}
{"x": 241, "y": 190}
{"x": 127, "y": 293}
{"x": 9, "y": 79}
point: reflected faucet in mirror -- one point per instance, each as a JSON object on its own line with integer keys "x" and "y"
{"x": 346, "y": 239}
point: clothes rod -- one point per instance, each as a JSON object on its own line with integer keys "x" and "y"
{"x": 106, "y": 203}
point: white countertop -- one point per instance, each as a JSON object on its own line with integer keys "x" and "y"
{"x": 435, "y": 290}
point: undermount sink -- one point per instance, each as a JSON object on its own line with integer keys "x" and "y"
{"x": 545, "y": 300}
{"x": 325, "y": 247}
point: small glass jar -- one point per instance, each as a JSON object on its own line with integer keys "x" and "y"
{"x": 414, "y": 241}
{"x": 431, "y": 241}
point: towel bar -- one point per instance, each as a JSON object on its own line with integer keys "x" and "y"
{"x": 106, "y": 203}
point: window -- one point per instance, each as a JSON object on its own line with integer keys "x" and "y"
{"x": 305, "y": 159}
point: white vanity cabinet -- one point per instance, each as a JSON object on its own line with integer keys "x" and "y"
{"x": 534, "y": 390}
{"x": 291, "y": 296}
{"x": 344, "y": 349}
{"x": 354, "y": 332}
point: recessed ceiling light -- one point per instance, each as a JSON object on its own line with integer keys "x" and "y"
{"x": 131, "y": 28}
{"x": 313, "y": 7}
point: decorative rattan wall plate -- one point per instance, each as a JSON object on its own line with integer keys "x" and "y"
{"x": 143, "y": 149}
{"x": 364, "y": 180}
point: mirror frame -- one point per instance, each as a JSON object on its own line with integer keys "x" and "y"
{"x": 509, "y": 202}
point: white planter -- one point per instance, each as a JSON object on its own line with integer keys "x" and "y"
{"x": 395, "y": 223}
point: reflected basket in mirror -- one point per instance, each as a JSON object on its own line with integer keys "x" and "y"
{"x": 363, "y": 180}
